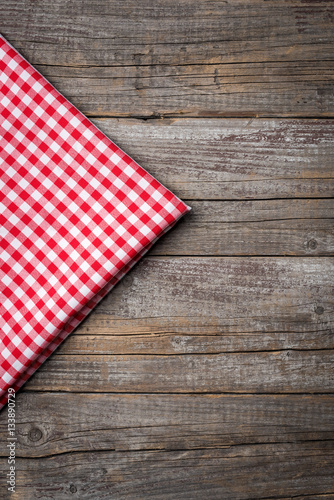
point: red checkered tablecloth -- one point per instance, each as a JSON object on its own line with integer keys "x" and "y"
{"x": 76, "y": 213}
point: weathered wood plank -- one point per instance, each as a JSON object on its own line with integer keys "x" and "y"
{"x": 269, "y": 227}
{"x": 239, "y": 472}
{"x": 265, "y": 89}
{"x": 213, "y": 58}
{"x": 53, "y": 423}
{"x": 232, "y": 159}
{"x": 239, "y": 295}
{"x": 220, "y": 296}
{"x": 170, "y": 32}
{"x": 247, "y": 372}
{"x": 101, "y": 342}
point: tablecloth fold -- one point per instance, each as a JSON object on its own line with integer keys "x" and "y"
{"x": 76, "y": 213}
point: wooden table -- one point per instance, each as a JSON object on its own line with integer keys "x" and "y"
{"x": 208, "y": 372}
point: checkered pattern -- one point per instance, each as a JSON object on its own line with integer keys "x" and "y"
{"x": 76, "y": 213}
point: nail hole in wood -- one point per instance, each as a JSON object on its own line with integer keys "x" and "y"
{"x": 319, "y": 310}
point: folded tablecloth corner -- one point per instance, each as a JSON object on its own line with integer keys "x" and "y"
{"x": 76, "y": 213}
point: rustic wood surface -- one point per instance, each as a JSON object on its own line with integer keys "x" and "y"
{"x": 208, "y": 371}
{"x": 67, "y": 422}
{"x": 205, "y": 58}
{"x": 232, "y": 159}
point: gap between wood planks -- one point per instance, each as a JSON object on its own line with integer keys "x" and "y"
{"x": 296, "y": 497}
{"x": 251, "y": 116}
{"x": 264, "y": 199}
{"x": 213, "y": 353}
{"x": 211, "y": 256}
{"x": 173, "y": 393}
{"x": 139, "y": 65}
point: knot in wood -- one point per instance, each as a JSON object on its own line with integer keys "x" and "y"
{"x": 35, "y": 434}
{"x": 312, "y": 244}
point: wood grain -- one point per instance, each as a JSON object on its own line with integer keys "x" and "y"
{"x": 219, "y": 296}
{"x": 181, "y": 31}
{"x": 261, "y": 89}
{"x": 101, "y": 341}
{"x": 224, "y": 159}
{"x": 55, "y": 423}
{"x": 270, "y": 227}
{"x": 264, "y": 297}
{"x": 208, "y": 371}
{"x": 236, "y": 472}
{"x": 236, "y": 58}
{"x": 247, "y": 372}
